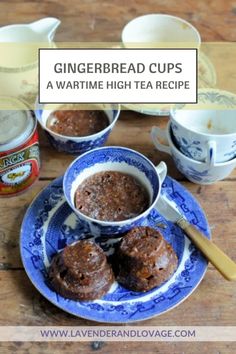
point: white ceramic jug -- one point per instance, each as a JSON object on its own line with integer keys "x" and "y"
{"x": 19, "y": 44}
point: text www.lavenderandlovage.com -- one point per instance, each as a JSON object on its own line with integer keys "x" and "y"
{"x": 113, "y": 334}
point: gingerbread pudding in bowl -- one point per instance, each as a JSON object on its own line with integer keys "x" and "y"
{"x": 77, "y": 122}
{"x": 75, "y": 128}
{"x": 111, "y": 196}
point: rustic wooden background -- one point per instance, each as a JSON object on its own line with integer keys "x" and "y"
{"x": 214, "y": 301}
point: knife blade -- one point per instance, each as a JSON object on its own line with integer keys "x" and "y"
{"x": 168, "y": 209}
{"x": 225, "y": 265}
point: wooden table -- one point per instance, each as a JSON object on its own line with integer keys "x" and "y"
{"x": 214, "y": 301}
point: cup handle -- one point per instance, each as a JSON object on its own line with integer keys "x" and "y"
{"x": 211, "y": 153}
{"x": 162, "y": 171}
{"x": 160, "y": 133}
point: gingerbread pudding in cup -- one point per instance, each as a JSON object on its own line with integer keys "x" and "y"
{"x": 111, "y": 196}
{"x": 94, "y": 176}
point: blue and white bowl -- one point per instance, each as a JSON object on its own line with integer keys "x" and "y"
{"x": 78, "y": 145}
{"x": 113, "y": 159}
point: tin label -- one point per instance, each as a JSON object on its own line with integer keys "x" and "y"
{"x": 17, "y": 175}
{"x": 19, "y": 169}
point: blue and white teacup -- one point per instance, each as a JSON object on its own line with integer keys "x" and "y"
{"x": 78, "y": 145}
{"x": 113, "y": 159}
{"x": 196, "y": 171}
{"x": 207, "y": 131}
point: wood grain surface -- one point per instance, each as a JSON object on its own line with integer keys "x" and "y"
{"x": 214, "y": 301}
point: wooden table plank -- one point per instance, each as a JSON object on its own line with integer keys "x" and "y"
{"x": 118, "y": 347}
{"x": 103, "y": 20}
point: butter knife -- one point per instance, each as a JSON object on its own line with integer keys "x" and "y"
{"x": 225, "y": 265}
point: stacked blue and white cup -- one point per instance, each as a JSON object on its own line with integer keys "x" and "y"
{"x": 202, "y": 138}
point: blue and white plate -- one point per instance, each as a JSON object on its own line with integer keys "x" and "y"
{"x": 50, "y": 224}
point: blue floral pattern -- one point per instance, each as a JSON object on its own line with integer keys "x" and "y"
{"x": 192, "y": 174}
{"x": 232, "y": 154}
{"x": 78, "y": 148}
{"x": 191, "y": 149}
{"x": 53, "y": 225}
{"x": 217, "y": 97}
{"x": 213, "y": 96}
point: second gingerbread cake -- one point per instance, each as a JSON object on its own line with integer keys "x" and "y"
{"x": 145, "y": 259}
